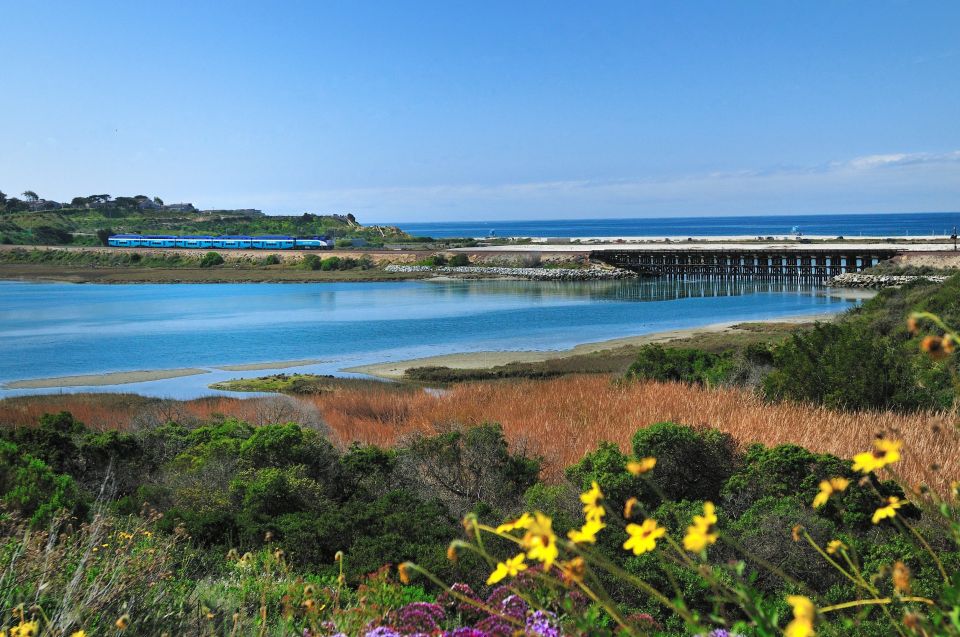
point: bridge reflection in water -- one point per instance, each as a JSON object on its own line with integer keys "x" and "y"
{"x": 786, "y": 263}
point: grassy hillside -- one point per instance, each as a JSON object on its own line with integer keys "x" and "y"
{"x": 79, "y": 225}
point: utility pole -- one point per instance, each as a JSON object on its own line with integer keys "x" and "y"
{"x": 954, "y": 237}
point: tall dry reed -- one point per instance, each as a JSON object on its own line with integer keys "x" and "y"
{"x": 562, "y": 419}
{"x": 559, "y": 419}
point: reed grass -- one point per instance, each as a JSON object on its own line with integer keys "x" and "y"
{"x": 559, "y": 419}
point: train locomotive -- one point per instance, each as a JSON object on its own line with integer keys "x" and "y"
{"x": 225, "y": 242}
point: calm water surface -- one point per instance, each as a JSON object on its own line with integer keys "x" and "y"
{"x": 51, "y": 329}
{"x": 914, "y": 224}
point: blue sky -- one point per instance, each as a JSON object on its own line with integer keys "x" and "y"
{"x": 404, "y": 111}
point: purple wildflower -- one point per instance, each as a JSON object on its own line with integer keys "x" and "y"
{"x": 465, "y": 632}
{"x": 496, "y": 627}
{"x": 514, "y": 606}
{"x": 543, "y": 624}
{"x": 418, "y": 617}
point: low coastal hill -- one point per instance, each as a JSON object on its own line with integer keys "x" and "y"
{"x": 89, "y": 220}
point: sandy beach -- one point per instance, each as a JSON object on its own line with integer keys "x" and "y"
{"x": 394, "y": 370}
{"x": 269, "y": 365}
{"x": 97, "y": 380}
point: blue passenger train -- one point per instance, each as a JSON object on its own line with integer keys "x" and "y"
{"x": 226, "y": 242}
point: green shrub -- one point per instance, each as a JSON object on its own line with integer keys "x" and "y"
{"x": 271, "y": 259}
{"x": 467, "y": 469}
{"x": 459, "y": 260}
{"x": 211, "y": 259}
{"x": 692, "y": 464}
{"x": 845, "y": 366}
{"x": 607, "y": 467}
{"x": 654, "y": 362}
{"x": 49, "y": 235}
{"x": 32, "y": 489}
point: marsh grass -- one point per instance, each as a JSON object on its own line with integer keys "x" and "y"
{"x": 558, "y": 419}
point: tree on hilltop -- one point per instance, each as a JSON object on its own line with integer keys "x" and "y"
{"x": 158, "y": 201}
{"x": 29, "y": 195}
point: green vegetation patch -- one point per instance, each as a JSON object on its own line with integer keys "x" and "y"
{"x": 299, "y": 384}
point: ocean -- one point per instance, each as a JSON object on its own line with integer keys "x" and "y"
{"x": 913, "y": 224}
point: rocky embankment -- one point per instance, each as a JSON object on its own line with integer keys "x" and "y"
{"x": 877, "y": 281}
{"x": 537, "y": 274}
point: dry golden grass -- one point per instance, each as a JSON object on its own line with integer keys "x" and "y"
{"x": 564, "y": 418}
{"x": 559, "y": 419}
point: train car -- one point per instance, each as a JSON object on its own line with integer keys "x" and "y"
{"x": 313, "y": 243}
{"x": 226, "y": 242}
{"x": 124, "y": 240}
{"x": 273, "y": 242}
{"x": 158, "y": 241}
{"x": 233, "y": 242}
{"x": 194, "y": 241}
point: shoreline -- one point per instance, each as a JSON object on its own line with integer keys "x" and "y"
{"x": 394, "y": 370}
{"x": 107, "y": 378}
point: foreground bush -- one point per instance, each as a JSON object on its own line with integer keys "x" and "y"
{"x": 688, "y": 533}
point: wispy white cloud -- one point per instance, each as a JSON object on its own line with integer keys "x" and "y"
{"x": 901, "y": 159}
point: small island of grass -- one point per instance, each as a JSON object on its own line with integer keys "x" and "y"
{"x": 295, "y": 384}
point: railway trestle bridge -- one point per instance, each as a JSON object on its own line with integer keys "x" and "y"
{"x": 787, "y": 262}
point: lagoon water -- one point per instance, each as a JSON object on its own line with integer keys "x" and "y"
{"x": 52, "y": 329}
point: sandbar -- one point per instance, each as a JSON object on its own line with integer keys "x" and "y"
{"x": 275, "y": 365}
{"x": 110, "y": 378}
{"x": 394, "y": 370}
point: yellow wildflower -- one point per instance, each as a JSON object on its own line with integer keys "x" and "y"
{"x": 592, "y": 508}
{"x": 79, "y": 633}
{"x": 803, "y": 615}
{"x": 828, "y": 488}
{"x": 709, "y": 517}
{"x": 523, "y": 522}
{"x": 949, "y": 344}
{"x": 912, "y": 325}
{"x": 835, "y": 545}
{"x": 573, "y": 569}
{"x": 937, "y": 348}
{"x": 404, "y": 572}
{"x": 587, "y": 534}
{"x": 540, "y": 542}
{"x": 698, "y": 538}
{"x": 628, "y": 507}
{"x": 700, "y": 534}
{"x": 122, "y": 622}
{"x": 452, "y": 552}
{"x": 884, "y": 452}
{"x": 641, "y": 466}
{"x": 888, "y": 510}
{"x": 511, "y": 568}
{"x": 643, "y": 537}
{"x": 26, "y": 629}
